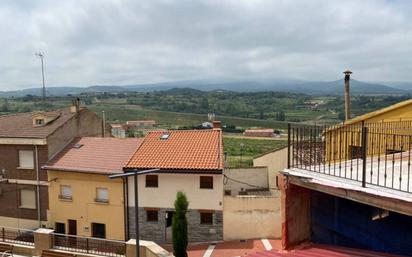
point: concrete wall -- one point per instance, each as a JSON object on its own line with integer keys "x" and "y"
{"x": 275, "y": 161}
{"x": 164, "y": 195}
{"x": 257, "y": 176}
{"x": 86, "y": 123}
{"x": 251, "y": 217}
{"x": 82, "y": 207}
{"x": 295, "y": 213}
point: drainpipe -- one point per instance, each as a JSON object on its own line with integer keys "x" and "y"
{"x": 38, "y": 186}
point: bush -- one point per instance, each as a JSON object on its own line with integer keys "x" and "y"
{"x": 179, "y": 226}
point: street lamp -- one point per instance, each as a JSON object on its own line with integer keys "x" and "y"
{"x": 135, "y": 173}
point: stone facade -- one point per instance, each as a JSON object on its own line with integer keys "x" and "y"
{"x": 157, "y": 231}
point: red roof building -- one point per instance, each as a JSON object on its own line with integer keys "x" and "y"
{"x": 199, "y": 150}
{"x": 95, "y": 155}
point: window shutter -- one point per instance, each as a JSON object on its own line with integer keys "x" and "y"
{"x": 26, "y": 159}
{"x": 28, "y": 199}
{"x": 102, "y": 194}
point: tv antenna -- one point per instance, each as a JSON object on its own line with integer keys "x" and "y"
{"x": 41, "y": 56}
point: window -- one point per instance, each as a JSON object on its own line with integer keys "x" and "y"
{"x": 102, "y": 195}
{"x": 228, "y": 192}
{"x": 27, "y": 199}
{"x": 152, "y": 180}
{"x": 206, "y": 182}
{"x": 152, "y": 215}
{"x": 26, "y": 159}
{"x": 98, "y": 230}
{"x": 206, "y": 218}
{"x": 60, "y": 228}
{"x": 39, "y": 122}
{"x": 66, "y": 192}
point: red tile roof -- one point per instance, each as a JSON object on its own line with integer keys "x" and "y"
{"x": 20, "y": 125}
{"x": 95, "y": 155}
{"x": 195, "y": 150}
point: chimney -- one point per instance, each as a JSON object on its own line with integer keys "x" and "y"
{"x": 216, "y": 124}
{"x": 75, "y": 105}
{"x": 347, "y": 94}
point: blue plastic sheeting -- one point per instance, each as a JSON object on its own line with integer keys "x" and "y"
{"x": 338, "y": 221}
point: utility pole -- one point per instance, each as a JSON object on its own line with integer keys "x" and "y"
{"x": 41, "y": 56}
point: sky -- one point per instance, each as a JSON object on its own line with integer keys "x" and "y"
{"x": 102, "y": 42}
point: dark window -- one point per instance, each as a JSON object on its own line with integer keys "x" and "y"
{"x": 152, "y": 215}
{"x": 206, "y": 218}
{"x": 206, "y": 182}
{"x": 228, "y": 192}
{"x": 60, "y": 228}
{"x": 98, "y": 230}
{"x": 152, "y": 181}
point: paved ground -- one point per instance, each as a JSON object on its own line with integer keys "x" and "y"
{"x": 256, "y": 248}
{"x": 229, "y": 248}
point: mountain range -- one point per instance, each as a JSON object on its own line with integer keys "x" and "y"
{"x": 335, "y": 87}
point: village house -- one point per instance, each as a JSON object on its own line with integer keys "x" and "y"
{"x": 259, "y": 133}
{"x": 82, "y": 199}
{"x": 350, "y": 185}
{"x": 190, "y": 161}
{"x": 28, "y": 141}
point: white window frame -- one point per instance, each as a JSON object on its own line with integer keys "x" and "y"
{"x": 63, "y": 194}
{"x": 33, "y": 204}
{"x": 100, "y": 199}
{"x": 26, "y": 164}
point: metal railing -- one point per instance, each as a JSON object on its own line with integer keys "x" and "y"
{"x": 89, "y": 245}
{"x": 376, "y": 154}
{"x": 17, "y": 236}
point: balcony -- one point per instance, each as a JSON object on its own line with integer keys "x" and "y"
{"x": 374, "y": 155}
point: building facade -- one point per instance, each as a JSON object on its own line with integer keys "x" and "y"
{"x": 188, "y": 161}
{"x": 83, "y": 200}
{"x": 28, "y": 141}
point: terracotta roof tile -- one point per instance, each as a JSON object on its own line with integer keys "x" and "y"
{"x": 182, "y": 150}
{"x": 20, "y": 125}
{"x": 95, "y": 155}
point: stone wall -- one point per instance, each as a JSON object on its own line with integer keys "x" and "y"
{"x": 156, "y": 231}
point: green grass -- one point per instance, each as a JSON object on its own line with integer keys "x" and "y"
{"x": 118, "y": 113}
{"x": 238, "y": 156}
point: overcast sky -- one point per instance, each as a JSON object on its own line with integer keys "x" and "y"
{"x": 130, "y": 42}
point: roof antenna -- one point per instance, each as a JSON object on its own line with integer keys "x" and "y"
{"x": 41, "y": 56}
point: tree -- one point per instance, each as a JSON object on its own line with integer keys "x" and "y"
{"x": 179, "y": 226}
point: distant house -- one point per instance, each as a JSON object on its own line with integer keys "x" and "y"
{"x": 259, "y": 132}
{"x": 119, "y": 130}
{"x": 141, "y": 123}
{"x": 82, "y": 199}
{"x": 190, "y": 161}
{"x": 28, "y": 141}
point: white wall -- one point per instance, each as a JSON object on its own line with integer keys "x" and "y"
{"x": 169, "y": 184}
{"x": 251, "y": 217}
{"x": 257, "y": 176}
{"x": 275, "y": 161}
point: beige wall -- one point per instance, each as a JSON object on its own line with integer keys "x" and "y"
{"x": 251, "y": 217}
{"x": 82, "y": 207}
{"x": 257, "y": 176}
{"x": 275, "y": 161}
{"x": 19, "y": 223}
{"x": 169, "y": 184}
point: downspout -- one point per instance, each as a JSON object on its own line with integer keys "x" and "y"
{"x": 38, "y": 186}
{"x": 127, "y": 208}
{"x": 125, "y": 216}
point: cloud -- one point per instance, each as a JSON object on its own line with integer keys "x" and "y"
{"x": 129, "y": 42}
